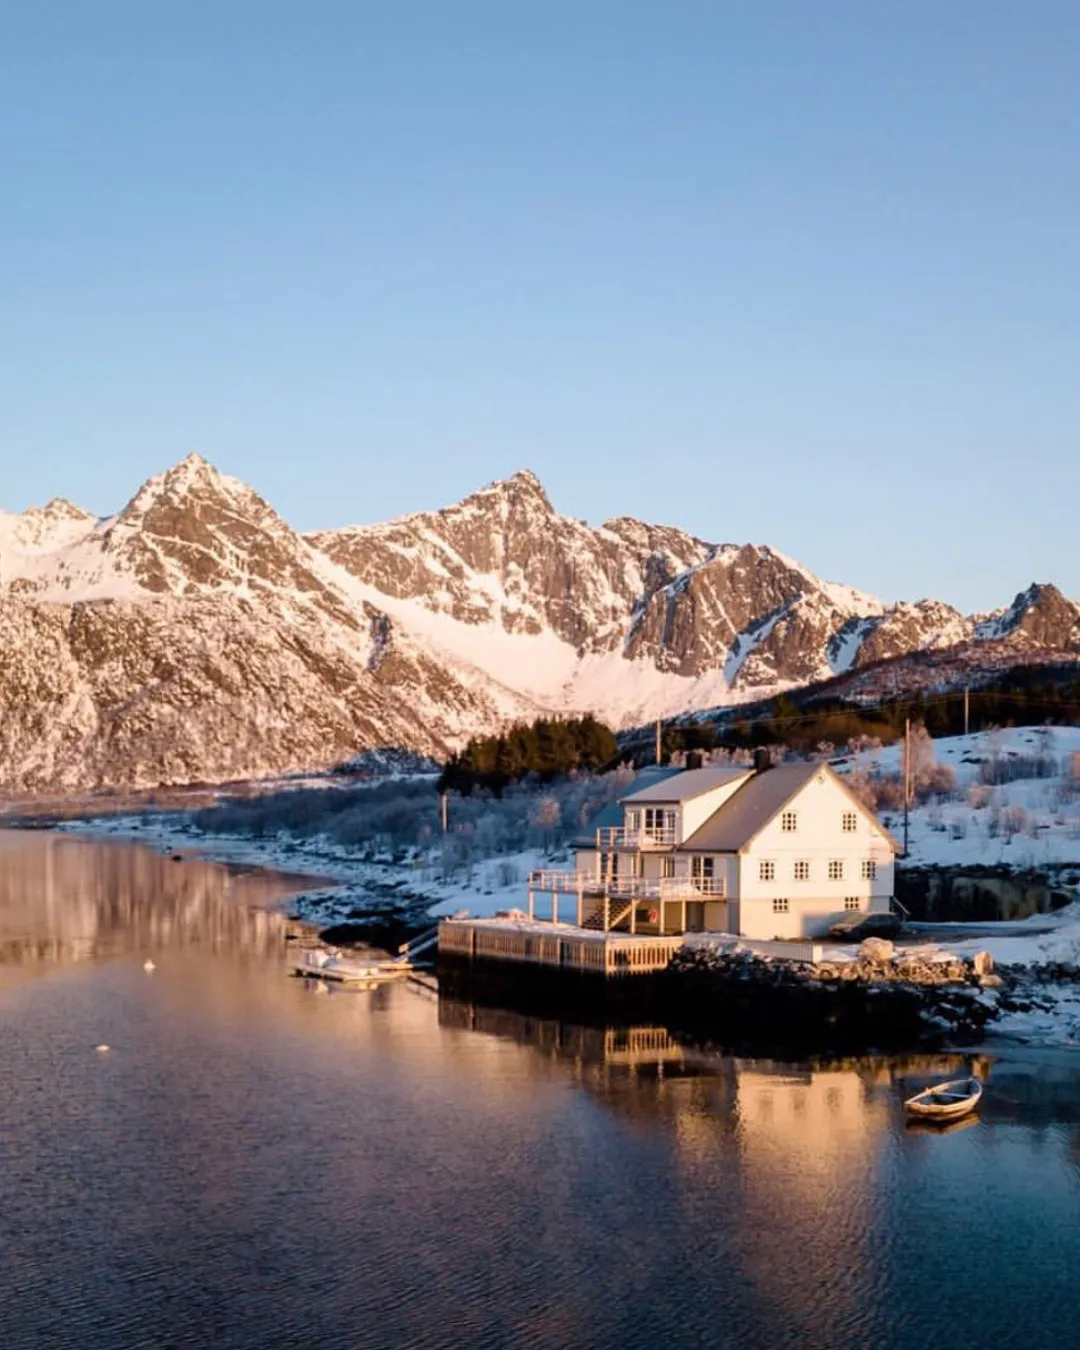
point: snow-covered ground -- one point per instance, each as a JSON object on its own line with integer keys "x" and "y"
{"x": 1028, "y": 822}
{"x": 1026, "y": 816}
{"x": 341, "y": 883}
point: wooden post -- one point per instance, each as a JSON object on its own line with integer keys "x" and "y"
{"x": 633, "y": 915}
{"x": 659, "y": 741}
{"x": 444, "y": 811}
{"x": 907, "y": 779}
{"x": 684, "y": 914}
{"x": 554, "y": 906}
{"x": 532, "y": 903}
{"x": 967, "y": 706}
{"x": 607, "y": 910}
{"x": 580, "y": 900}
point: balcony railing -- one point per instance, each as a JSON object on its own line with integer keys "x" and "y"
{"x": 618, "y": 836}
{"x": 628, "y": 888}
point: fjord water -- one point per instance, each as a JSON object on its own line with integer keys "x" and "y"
{"x": 254, "y": 1163}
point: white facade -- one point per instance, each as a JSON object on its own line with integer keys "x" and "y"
{"x": 818, "y": 869}
{"x": 787, "y": 864}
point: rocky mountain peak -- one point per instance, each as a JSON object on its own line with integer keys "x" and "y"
{"x": 59, "y": 508}
{"x": 508, "y": 500}
{"x": 194, "y": 529}
{"x": 1038, "y": 617}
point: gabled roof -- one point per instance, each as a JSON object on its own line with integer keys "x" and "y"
{"x": 681, "y": 787}
{"x": 750, "y": 808}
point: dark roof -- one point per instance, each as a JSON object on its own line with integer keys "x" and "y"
{"x": 752, "y": 806}
{"x": 681, "y": 787}
{"x": 611, "y": 816}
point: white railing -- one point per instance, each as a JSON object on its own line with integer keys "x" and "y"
{"x": 630, "y": 888}
{"x": 708, "y": 886}
{"x": 619, "y": 836}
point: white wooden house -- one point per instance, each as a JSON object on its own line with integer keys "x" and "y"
{"x": 772, "y": 853}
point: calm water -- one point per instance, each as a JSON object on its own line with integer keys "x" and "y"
{"x": 258, "y": 1164}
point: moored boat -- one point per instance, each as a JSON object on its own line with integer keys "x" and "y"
{"x": 324, "y": 964}
{"x": 946, "y": 1101}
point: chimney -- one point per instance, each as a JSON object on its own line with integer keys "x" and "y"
{"x": 694, "y": 759}
{"x": 762, "y": 759}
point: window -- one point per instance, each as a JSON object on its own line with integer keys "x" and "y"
{"x": 836, "y": 869}
{"x": 788, "y": 821}
{"x": 766, "y": 870}
{"x": 780, "y": 906}
{"x": 667, "y": 868}
{"x": 851, "y": 822}
{"x": 869, "y": 870}
{"x": 701, "y": 872}
{"x": 802, "y": 870}
{"x": 659, "y": 822}
{"x": 851, "y": 902}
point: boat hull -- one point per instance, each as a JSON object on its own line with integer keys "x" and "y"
{"x": 946, "y": 1101}
{"x": 345, "y": 970}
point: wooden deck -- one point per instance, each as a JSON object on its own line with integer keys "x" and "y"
{"x": 559, "y": 946}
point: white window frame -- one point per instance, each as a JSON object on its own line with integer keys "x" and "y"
{"x": 789, "y": 822}
{"x": 869, "y": 869}
{"x": 781, "y": 905}
{"x": 766, "y": 869}
{"x": 658, "y": 821}
{"x": 852, "y": 902}
{"x": 836, "y": 869}
{"x": 850, "y": 822}
{"x": 801, "y": 869}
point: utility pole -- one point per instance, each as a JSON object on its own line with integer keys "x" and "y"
{"x": 967, "y": 691}
{"x": 907, "y": 779}
{"x": 659, "y": 741}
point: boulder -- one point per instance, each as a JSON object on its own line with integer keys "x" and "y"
{"x": 877, "y": 951}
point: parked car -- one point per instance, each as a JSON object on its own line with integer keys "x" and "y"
{"x": 854, "y": 925}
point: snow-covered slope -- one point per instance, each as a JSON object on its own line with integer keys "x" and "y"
{"x": 195, "y": 634}
{"x": 1009, "y": 797}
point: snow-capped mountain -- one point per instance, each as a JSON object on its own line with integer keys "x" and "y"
{"x": 196, "y": 636}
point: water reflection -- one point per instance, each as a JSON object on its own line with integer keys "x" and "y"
{"x": 258, "y": 1164}
{"x": 65, "y": 900}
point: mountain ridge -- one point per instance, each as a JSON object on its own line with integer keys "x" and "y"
{"x": 196, "y": 635}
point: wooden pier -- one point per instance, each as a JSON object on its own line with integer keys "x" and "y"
{"x": 559, "y": 947}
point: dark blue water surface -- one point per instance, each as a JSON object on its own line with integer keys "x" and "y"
{"x": 255, "y": 1163}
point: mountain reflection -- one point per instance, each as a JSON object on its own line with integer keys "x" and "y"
{"x": 64, "y": 900}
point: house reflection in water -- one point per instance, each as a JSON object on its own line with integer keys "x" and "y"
{"x": 790, "y": 1158}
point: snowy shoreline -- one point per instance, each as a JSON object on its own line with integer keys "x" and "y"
{"x": 1011, "y": 802}
{"x": 344, "y": 886}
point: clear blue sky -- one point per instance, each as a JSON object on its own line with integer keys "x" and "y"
{"x": 791, "y": 272}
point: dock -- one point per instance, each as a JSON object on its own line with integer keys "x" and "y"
{"x": 557, "y": 947}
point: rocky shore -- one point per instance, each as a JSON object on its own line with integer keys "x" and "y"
{"x": 884, "y": 998}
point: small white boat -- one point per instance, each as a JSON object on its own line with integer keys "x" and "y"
{"x": 322, "y": 963}
{"x": 946, "y": 1101}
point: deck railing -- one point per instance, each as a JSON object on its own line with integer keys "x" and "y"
{"x": 629, "y": 888}
{"x": 619, "y": 836}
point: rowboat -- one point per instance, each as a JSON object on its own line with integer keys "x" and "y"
{"x": 946, "y": 1101}
{"x": 324, "y": 964}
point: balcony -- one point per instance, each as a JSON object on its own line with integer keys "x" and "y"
{"x": 641, "y": 840}
{"x": 628, "y": 888}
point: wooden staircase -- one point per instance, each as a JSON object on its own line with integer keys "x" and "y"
{"x": 618, "y": 914}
